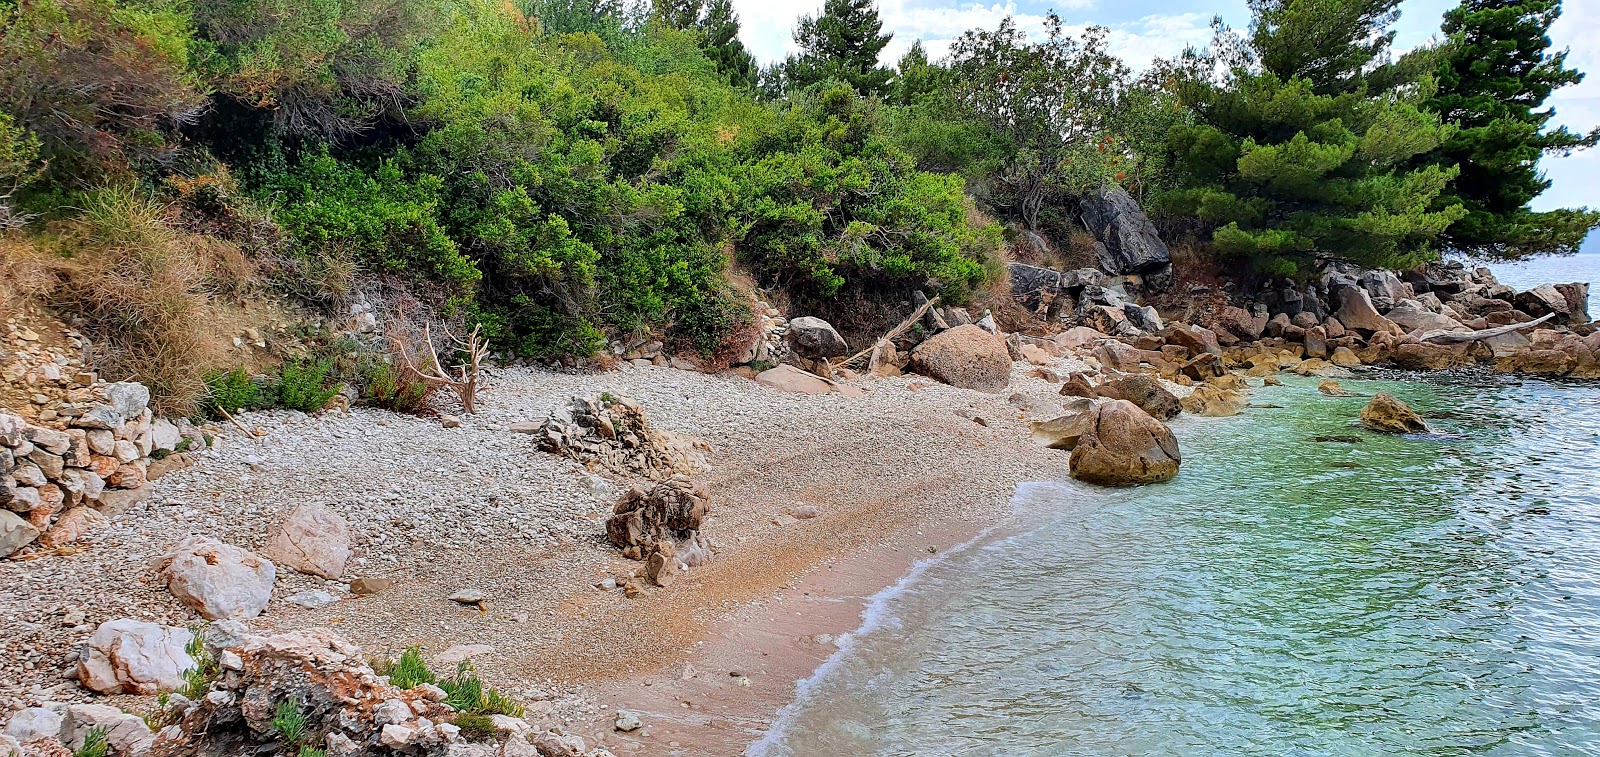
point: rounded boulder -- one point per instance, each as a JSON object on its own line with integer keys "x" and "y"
{"x": 1125, "y": 446}
{"x": 965, "y": 356}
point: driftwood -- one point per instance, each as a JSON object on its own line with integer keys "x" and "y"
{"x": 894, "y": 332}
{"x": 1455, "y": 337}
{"x": 465, "y": 382}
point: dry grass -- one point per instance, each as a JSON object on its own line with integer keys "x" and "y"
{"x": 161, "y": 304}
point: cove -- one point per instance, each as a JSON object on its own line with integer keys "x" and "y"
{"x": 1425, "y": 594}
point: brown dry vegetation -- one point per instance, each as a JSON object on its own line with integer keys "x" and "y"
{"x": 160, "y": 304}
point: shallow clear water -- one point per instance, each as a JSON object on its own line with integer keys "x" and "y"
{"x": 1401, "y": 595}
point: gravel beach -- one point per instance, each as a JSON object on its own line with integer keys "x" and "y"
{"x": 909, "y": 465}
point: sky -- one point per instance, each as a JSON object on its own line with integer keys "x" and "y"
{"x": 1143, "y": 30}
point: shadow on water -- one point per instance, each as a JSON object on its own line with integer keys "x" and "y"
{"x": 1421, "y": 594}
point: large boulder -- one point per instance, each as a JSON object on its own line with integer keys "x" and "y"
{"x": 1543, "y": 300}
{"x": 313, "y": 540}
{"x": 815, "y": 338}
{"x": 1031, "y": 285}
{"x": 1577, "y": 296}
{"x": 1356, "y": 312}
{"x": 1240, "y": 323}
{"x": 220, "y": 581}
{"x": 1128, "y": 241}
{"x": 965, "y": 356}
{"x": 1193, "y": 338}
{"x": 1387, "y": 414}
{"x": 1412, "y": 315}
{"x": 669, "y": 512}
{"x": 1124, "y": 446}
{"x": 130, "y": 656}
{"x": 1144, "y": 391}
{"x": 1385, "y": 288}
{"x": 126, "y": 734}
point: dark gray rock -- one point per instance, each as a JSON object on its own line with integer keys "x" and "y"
{"x": 815, "y": 338}
{"x": 1129, "y": 242}
{"x": 1032, "y": 285}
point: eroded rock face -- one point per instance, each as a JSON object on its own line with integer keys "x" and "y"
{"x": 1387, "y": 414}
{"x": 1144, "y": 391}
{"x": 669, "y": 513}
{"x": 1125, "y": 446}
{"x": 612, "y": 432}
{"x": 313, "y": 540}
{"x": 1356, "y": 312}
{"x": 220, "y": 581}
{"x": 130, "y": 656}
{"x": 965, "y": 356}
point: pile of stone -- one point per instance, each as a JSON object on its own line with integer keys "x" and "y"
{"x": 347, "y": 707}
{"x": 612, "y": 433}
{"x": 61, "y": 480}
{"x": 660, "y": 525}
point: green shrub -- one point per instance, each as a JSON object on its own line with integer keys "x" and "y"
{"x": 96, "y": 743}
{"x": 303, "y": 385}
{"x": 409, "y": 670}
{"x": 394, "y": 388}
{"x": 466, "y": 693}
{"x": 289, "y": 722}
{"x": 307, "y": 751}
{"x": 231, "y": 391}
{"x": 198, "y": 679}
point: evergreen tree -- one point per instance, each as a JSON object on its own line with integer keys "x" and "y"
{"x": 1285, "y": 170}
{"x": 1495, "y": 74}
{"x": 843, "y": 44}
{"x": 720, "y": 27}
{"x": 917, "y": 78}
{"x": 1329, "y": 43}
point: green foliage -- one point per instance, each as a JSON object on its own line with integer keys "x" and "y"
{"x": 289, "y": 722}
{"x": 320, "y": 68}
{"x": 1495, "y": 73}
{"x": 198, "y": 679}
{"x": 467, "y": 694}
{"x": 19, "y": 155}
{"x": 96, "y": 743}
{"x": 232, "y": 391}
{"x": 393, "y": 388}
{"x": 303, "y": 385}
{"x": 1330, "y": 44}
{"x": 306, "y": 751}
{"x": 831, "y": 200}
{"x": 99, "y": 83}
{"x": 1284, "y": 172}
{"x": 409, "y": 670}
{"x": 841, "y": 44}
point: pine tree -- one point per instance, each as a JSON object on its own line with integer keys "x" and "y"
{"x": 1288, "y": 169}
{"x": 918, "y": 79}
{"x": 844, "y": 44}
{"x": 720, "y": 27}
{"x": 1496, "y": 73}
{"x": 1326, "y": 42}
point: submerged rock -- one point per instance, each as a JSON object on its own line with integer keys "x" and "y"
{"x": 1213, "y": 401}
{"x": 1387, "y": 414}
{"x": 1123, "y": 446}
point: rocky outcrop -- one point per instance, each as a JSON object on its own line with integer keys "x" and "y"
{"x": 965, "y": 356}
{"x": 613, "y": 433}
{"x": 220, "y": 581}
{"x": 313, "y": 540}
{"x": 130, "y": 656}
{"x": 664, "y": 519}
{"x": 815, "y": 338}
{"x": 1124, "y": 446}
{"x": 1128, "y": 242}
{"x": 348, "y": 709}
{"x": 1387, "y": 414}
{"x": 1357, "y": 312}
{"x": 1144, "y": 391}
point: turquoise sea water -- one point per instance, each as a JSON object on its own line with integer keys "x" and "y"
{"x": 1428, "y": 595}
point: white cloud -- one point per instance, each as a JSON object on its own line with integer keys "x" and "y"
{"x": 768, "y": 27}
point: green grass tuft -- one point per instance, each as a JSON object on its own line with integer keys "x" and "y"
{"x": 289, "y": 722}
{"x": 96, "y": 743}
{"x": 409, "y": 671}
{"x": 475, "y": 727}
